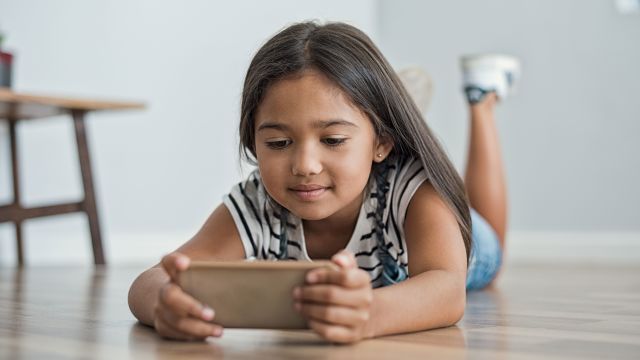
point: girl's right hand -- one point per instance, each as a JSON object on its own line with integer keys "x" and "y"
{"x": 177, "y": 314}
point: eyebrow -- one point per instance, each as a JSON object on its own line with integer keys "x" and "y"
{"x": 320, "y": 124}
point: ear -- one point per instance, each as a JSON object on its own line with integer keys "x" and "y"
{"x": 383, "y": 147}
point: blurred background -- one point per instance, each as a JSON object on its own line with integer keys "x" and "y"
{"x": 569, "y": 135}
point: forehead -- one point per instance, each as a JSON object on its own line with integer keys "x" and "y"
{"x": 305, "y": 98}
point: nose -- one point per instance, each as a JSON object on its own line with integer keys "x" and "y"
{"x": 306, "y": 161}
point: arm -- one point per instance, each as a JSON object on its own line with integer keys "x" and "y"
{"x": 342, "y": 307}
{"x": 435, "y": 293}
{"x": 218, "y": 239}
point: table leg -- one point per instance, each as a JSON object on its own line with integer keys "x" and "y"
{"x": 89, "y": 202}
{"x": 16, "y": 187}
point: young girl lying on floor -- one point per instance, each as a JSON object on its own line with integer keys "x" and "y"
{"x": 347, "y": 170}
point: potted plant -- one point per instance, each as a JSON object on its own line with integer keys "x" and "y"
{"x": 6, "y": 59}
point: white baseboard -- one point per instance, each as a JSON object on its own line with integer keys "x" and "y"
{"x": 73, "y": 247}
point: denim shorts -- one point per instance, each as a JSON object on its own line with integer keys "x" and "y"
{"x": 486, "y": 255}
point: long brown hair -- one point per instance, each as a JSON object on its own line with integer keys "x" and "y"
{"x": 349, "y": 58}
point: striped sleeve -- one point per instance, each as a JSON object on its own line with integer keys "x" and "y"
{"x": 244, "y": 201}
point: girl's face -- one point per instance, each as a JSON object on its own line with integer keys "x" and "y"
{"x": 314, "y": 147}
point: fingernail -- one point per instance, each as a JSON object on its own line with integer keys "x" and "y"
{"x": 182, "y": 262}
{"x": 297, "y": 306}
{"x": 207, "y": 313}
{"x": 312, "y": 277}
{"x": 217, "y": 331}
{"x": 296, "y": 292}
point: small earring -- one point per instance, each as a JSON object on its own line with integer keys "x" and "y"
{"x": 379, "y": 155}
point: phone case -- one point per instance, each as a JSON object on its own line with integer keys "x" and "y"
{"x": 250, "y": 294}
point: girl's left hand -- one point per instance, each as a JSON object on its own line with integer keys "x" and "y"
{"x": 337, "y": 303}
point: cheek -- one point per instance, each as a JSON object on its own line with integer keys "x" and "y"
{"x": 352, "y": 169}
{"x": 266, "y": 159}
{"x": 271, "y": 172}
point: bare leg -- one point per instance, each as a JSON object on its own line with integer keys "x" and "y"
{"x": 484, "y": 176}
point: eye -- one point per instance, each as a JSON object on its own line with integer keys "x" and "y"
{"x": 334, "y": 142}
{"x": 278, "y": 144}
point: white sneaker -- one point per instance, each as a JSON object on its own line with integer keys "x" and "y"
{"x": 485, "y": 73}
{"x": 419, "y": 85}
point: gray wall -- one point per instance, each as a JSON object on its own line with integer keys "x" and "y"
{"x": 569, "y": 136}
{"x": 159, "y": 172}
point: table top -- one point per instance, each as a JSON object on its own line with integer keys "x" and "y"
{"x": 535, "y": 312}
{"x": 20, "y": 106}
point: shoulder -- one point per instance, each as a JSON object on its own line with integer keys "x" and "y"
{"x": 229, "y": 232}
{"x": 407, "y": 170}
{"x": 405, "y": 177}
{"x": 433, "y": 237}
{"x": 217, "y": 239}
{"x": 247, "y": 205}
{"x": 250, "y": 188}
{"x": 247, "y": 198}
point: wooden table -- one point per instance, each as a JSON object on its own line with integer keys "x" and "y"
{"x": 548, "y": 312}
{"x": 15, "y": 107}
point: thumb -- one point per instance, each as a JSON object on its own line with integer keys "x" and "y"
{"x": 174, "y": 263}
{"x": 345, "y": 259}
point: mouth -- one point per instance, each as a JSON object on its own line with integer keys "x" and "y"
{"x": 309, "y": 192}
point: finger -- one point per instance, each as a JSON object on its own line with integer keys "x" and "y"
{"x": 168, "y": 332}
{"x": 333, "y": 295}
{"x": 331, "y": 314}
{"x": 345, "y": 259}
{"x": 183, "y": 304}
{"x": 349, "y": 278}
{"x": 174, "y": 263}
{"x": 334, "y": 333}
{"x": 189, "y": 326}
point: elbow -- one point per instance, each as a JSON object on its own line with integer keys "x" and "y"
{"x": 453, "y": 316}
{"x": 136, "y": 301}
{"x": 131, "y": 299}
{"x": 457, "y": 305}
{"x": 457, "y": 314}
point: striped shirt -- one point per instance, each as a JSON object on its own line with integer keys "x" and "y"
{"x": 258, "y": 220}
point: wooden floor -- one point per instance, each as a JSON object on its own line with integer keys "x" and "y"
{"x": 550, "y": 312}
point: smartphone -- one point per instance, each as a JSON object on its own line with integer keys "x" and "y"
{"x": 250, "y": 294}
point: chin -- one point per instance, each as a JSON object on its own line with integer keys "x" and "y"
{"x": 310, "y": 212}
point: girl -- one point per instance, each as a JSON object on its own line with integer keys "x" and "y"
{"x": 347, "y": 171}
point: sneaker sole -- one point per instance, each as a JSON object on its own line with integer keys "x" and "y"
{"x": 490, "y": 61}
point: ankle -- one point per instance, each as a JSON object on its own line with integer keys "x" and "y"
{"x": 485, "y": 107}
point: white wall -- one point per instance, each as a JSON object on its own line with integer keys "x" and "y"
{"x": 158, "y": 172}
